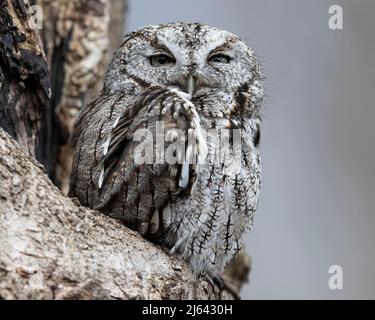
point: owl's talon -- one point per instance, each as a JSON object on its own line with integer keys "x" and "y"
{"x": 222, "y": 285}
{"x": 218, "y": 281}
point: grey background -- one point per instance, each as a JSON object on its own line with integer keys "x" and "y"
{"x": 317, "y": 202}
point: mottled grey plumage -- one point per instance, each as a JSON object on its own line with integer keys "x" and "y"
{"x": 200, "y": 211}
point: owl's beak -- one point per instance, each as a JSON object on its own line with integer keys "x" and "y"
{"x": 190, "y": 84}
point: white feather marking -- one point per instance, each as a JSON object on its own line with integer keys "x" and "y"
{"x": 101, "y": 177}
{"x": 184, "y": 178}
{"x": 106, "y": 146}
{"x": 116, "y": 122}
{"x": 202, "y": 145}
{"x": 191, "y": 105}
{"x": 181, "y": 94}
{"x": 178, "y": 244}
{"x": 235, "y": 122}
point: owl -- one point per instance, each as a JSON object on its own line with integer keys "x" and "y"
{"x": 195, "y": 93}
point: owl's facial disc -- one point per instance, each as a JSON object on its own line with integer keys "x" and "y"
{"x": 194, "y": 58}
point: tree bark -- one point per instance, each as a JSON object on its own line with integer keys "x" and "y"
{"x": 80, "y": 37}
{"x": 52, "y": 248}
{"x": 24, "y": 80}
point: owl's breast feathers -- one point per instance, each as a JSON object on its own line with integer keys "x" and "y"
{"x": 199, "y": 209}
{"x": 115, "y": 183}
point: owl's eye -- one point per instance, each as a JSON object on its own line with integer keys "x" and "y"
{"x": 219, "y": 58}
{"x": 161, "y": 60}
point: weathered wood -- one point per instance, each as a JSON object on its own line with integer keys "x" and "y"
{"x": 38, "y": 104}
{"x": 24, "y": 80}
{"x": 80, "y": 37}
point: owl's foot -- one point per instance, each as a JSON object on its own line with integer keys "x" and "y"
{"x": 218, "y": 282}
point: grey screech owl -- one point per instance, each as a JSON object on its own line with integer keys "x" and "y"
{"x": 189, "y": 77}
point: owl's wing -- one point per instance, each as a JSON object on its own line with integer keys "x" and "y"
{"x": 139, "y": 192}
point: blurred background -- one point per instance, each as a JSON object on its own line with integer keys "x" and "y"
{"x": 318, "y": 196}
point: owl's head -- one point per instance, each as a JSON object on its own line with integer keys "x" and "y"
{"x": 195, "y": 58}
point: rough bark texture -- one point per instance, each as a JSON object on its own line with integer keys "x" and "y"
{"x": 24, "y": 80}
{"x": 52, "y": 248}
{"x": 38, "y": 104}
{"x": 80, "y": 37}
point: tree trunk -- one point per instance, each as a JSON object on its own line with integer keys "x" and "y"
{"x": 80, "y": 37}
{"x": 24, "y": 80}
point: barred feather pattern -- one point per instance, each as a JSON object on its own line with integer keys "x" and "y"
{"x": 199, "y": 210}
